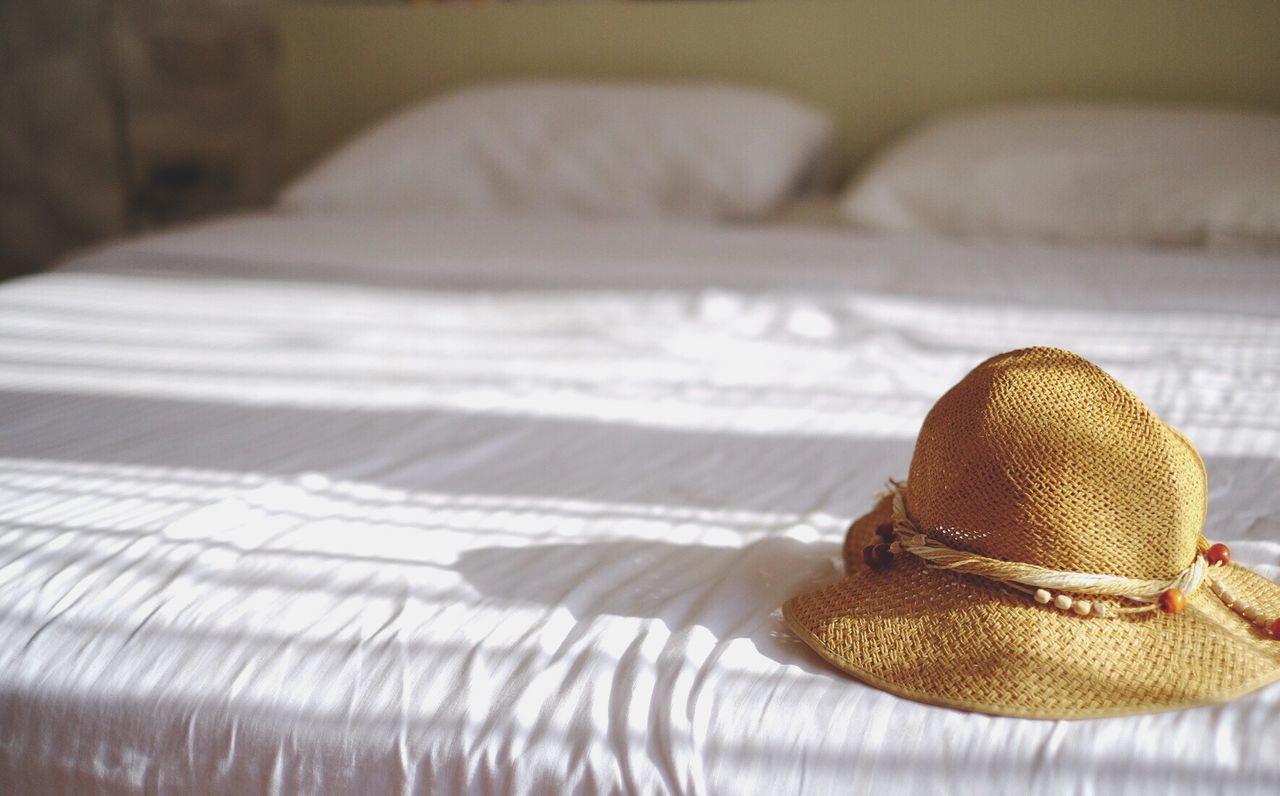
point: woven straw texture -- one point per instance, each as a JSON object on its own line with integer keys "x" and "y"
{"x": 1040, "y": 457}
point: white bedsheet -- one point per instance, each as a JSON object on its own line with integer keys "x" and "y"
{"x": 352, "y": 505}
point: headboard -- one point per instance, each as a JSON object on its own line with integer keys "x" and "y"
{"x": 878, "y": 65}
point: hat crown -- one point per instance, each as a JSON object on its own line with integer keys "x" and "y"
{"x": 1039, "y": 456}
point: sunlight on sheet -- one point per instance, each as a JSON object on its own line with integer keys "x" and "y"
{"x": 829, "y": 364}
{"x": 144, "y": 558}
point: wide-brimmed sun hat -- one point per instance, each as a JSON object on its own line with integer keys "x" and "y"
{"x": 1045, "y": 559}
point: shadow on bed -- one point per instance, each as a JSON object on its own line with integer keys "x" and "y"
{"x": 462, "y": 452}
{"x": 732, "y": 592}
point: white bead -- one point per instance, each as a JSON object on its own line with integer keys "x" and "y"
{"x": 1102, "y": 610}
{"x": 1062, "y": 601}
{"x": 1226, "y": 596}
{"x": 1043, "y": 596}
{"x": 1250, "y": 613}
{"x": 1082, "y": 607}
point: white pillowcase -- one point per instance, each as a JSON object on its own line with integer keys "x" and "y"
{"x": 1082, "y": 174}
{"x": 700, "y": 151}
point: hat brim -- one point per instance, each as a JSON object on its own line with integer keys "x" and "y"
{"x": 964, "y": 642}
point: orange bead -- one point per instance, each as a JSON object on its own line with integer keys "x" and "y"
{"x": 1275, "y": 628}
{"x": 885, "y": 531}
{"x": 1172, "y": 601}
{"x": 1218, "y": 554}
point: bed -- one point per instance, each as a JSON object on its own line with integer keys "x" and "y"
{"x": 354, "y": 503}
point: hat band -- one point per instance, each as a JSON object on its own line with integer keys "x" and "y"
{"x": 1040, "y": 583}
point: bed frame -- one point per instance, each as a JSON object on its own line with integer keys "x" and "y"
{"x": 878, "y": 66}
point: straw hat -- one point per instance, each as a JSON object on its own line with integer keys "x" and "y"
{"x": 1045, "y": 559}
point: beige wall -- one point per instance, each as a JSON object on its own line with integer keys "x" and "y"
{"x": 879, "y": 65}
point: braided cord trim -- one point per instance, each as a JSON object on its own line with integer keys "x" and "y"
{"x": 1029, "y": 578}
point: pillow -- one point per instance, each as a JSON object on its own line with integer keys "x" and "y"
{"x": 700, "y": 151}
{"x": 1082, "y": 174}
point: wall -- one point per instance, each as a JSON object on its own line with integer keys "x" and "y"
{"x": 879, "y": 65}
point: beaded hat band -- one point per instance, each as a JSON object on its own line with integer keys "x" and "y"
{"x": 1045, "y": 558}
{"x": 1055, "y": 588}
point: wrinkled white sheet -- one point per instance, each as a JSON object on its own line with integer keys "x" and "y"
{"x": 272, "y": 522}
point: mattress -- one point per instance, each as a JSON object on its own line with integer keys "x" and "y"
{"x": 366, "y": 505}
